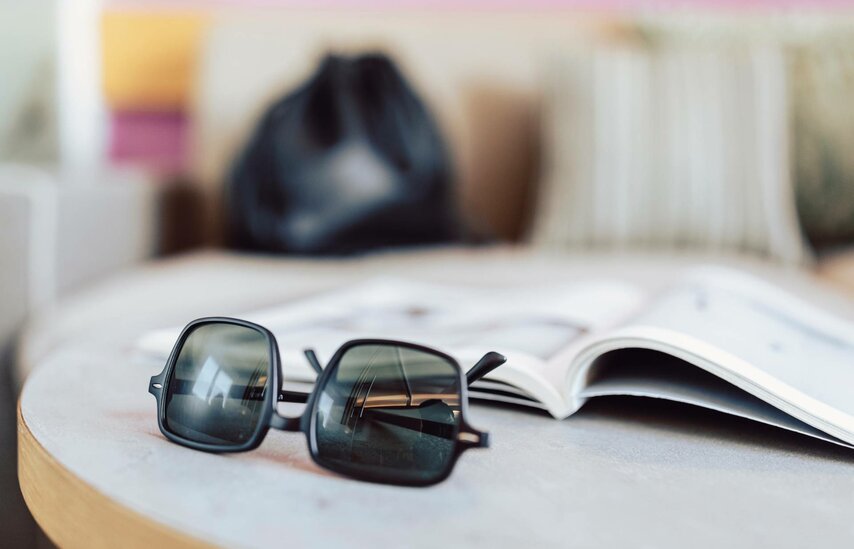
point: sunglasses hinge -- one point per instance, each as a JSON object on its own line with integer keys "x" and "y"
{"x": 474, "y": 439}
{"x": 155, "y": 386}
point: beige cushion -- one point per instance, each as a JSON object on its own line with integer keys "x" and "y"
{"x": 837, "y": 269}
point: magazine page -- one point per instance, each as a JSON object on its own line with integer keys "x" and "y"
{"x": 529, "y": 325}
{"x": 770, "y": 344}
{"x": 645, "y": 373}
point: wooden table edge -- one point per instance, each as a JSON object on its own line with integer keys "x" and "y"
{"x": 74, "y": 514}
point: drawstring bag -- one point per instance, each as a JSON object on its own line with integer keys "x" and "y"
{"x": 350, "y": 161}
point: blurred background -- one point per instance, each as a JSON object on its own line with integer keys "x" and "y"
{"x": 131, "y": 130}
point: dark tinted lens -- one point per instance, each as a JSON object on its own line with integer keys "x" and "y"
{"x": 217, "y": 388}
{"x": 389, "y": 412}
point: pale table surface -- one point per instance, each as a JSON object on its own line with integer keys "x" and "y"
{"x": 620, "y": 472}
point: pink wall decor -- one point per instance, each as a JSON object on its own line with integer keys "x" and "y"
{"x": 157, "y": 140}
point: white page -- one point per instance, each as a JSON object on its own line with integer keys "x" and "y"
{"x": 774, "y": 346}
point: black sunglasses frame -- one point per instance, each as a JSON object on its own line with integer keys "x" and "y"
{"x": 465, "y": 438}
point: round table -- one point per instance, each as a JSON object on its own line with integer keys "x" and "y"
{"x": 96, "y": 472}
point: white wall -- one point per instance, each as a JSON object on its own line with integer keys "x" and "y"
{"x": 27, "y": 65}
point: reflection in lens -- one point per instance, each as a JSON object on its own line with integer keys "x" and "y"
{"x": 390, "y": 412}
{"x": 217, "y": 388}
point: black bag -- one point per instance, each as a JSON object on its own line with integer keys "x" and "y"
{"x": 348, "y": 162}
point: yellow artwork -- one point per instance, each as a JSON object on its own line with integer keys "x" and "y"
{"x": 148, "y": 58}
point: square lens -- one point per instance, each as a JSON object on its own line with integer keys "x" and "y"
{"x": 217, "y": 391}
{"x": 389, "y": 413}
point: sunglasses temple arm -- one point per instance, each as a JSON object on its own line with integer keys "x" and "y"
{"x": 489, "y": 362}
{"x": 312, "y": 359}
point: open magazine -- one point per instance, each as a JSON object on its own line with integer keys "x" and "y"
{"x": 718, "y": 339}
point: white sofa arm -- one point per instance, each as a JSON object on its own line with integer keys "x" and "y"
{"x": 59, "y": 235}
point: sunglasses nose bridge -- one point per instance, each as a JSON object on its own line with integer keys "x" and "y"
{"x": 285, "y": 423}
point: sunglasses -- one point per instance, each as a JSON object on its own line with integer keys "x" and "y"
{"x": 382, "y": 411}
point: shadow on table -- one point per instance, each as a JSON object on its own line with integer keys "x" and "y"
{"x": 691, "y": 421}
{"x": 687, "y": 422}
